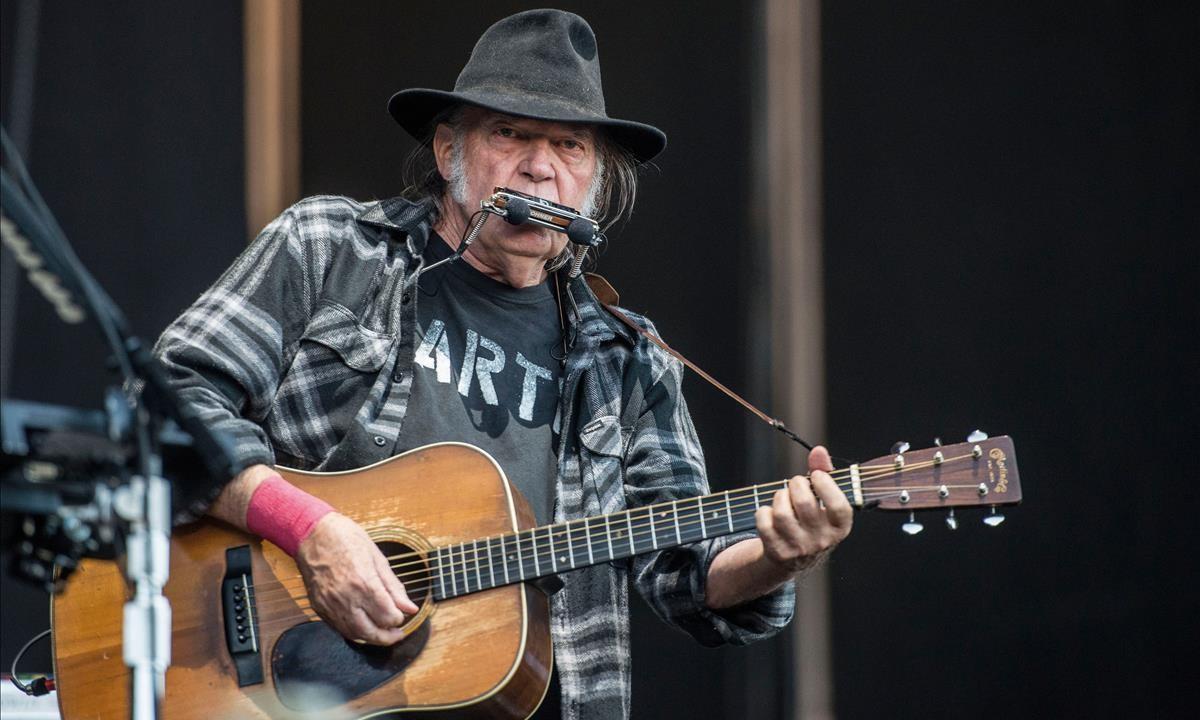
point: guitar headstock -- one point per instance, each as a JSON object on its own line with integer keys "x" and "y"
{"x": 981, "y": 472}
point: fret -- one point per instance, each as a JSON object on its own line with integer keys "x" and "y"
{"x": 453, "y": 571}
{"x": 562, "y": 556}
{"x": 653, "y": 533}
{"x": 629, "y": 524}
{"x": 608, "y": 535}
{"x": 520, "y": 561}
{"x": 587, "y": 534}
{"x": 478, "y": 569}
{"x": 550, "y": 545}
{"x": 537, "y": 568}
{"x": 675, "y": 511}
{"x": 491, "y": 564}
{"x": 570, "y": 545}
{"x": 465, "y": 566}
{"x": 504, "y": 558}
{"x": 700, "y": 511}
{"x": 437, "y": 554}
{"x": 757, "y": 502}
{"x": 728, "y": 511}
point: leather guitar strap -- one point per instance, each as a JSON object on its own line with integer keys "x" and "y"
{"x": 608, "y": 297}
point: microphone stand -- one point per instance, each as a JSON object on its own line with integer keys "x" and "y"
{"x": 144, "y": 503}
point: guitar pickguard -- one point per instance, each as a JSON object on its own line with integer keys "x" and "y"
{"x": 315, "y": 668}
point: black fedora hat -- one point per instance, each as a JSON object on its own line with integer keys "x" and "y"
{"x": 540, "y": 64}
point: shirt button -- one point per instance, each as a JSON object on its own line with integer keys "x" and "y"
{"x": 405, "y": 298}
{"x": 380, "y": 441}
{"x": 398, "y": 376}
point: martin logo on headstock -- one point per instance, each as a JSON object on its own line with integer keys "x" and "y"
{"x": 982, "y": 472}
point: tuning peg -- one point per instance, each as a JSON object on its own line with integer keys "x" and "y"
{"x": 977, "y": 436}
{"x": 900, "y": 447}
{"x": 912, "y": 527}
{"x": 951, "y": 521}
{"x": 937, "y": 442}
{"x": 994, "y": 519}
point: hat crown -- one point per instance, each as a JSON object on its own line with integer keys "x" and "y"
{"x": 547, "y": 54}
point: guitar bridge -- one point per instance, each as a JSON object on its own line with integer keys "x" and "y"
{"x": 241, "y": 616}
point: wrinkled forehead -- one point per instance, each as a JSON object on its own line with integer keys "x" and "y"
{"x": 476, "y": 117}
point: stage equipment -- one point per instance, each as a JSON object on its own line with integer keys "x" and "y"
{"x": 79, "y": 491}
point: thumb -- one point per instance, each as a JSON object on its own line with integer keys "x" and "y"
{"x": 818, "y": 459}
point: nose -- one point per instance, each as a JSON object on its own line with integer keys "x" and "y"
{"x": 537, "y": 165}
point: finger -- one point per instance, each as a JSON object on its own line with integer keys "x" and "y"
{"x": 783, "y": 520}
{"x": 364, "y": 629}
{"x": 818, "y": 459}
{"x": 766, "y": 526}
{"x": 837, "y": 507}
{"x": 394, "y": 587}
{"x": 804, "y": 503}
{"x": 381, "y": 608}
{"x": 773, "y": 545}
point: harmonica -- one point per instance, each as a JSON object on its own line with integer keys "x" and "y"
{"x": 517, "y": 208}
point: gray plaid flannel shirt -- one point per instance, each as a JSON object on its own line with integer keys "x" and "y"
{"x": 302, "y": 353}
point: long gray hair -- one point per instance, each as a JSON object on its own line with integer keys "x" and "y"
{"x": 611, "y": 196}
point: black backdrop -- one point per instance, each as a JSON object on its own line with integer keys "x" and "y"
{"x": 1011, "y": 243}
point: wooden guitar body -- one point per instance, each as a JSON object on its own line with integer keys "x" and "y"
{"x": 244, "y": 643}
{"x": 485, "y": 654}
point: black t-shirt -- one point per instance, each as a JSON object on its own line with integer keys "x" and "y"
{"x": 486, "y": 373}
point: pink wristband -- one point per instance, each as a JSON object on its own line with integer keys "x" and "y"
{"x": 283, "y": 513}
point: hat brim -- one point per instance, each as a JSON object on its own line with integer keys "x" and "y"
{"x": 416, "y": 108}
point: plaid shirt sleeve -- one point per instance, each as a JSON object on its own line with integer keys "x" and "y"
{"x": 225, "y": 353}
{"x": 664, "y": 461}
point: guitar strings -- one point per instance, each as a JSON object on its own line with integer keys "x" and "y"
{"x": 423, "y": 581}
{"x": 558, "y": 532}
{"x": 692, "y": 510}
{"x": 479, "y": 560}
{"x": 741, "y": 494}
{"x": 557, "y": 535}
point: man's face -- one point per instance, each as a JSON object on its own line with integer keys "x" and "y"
{"x": 555, "y": 161}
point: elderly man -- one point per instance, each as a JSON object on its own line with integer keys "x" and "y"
{"x": 324, "y": 347}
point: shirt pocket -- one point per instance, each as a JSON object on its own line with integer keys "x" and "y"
{"x": 330, "y": 377}
{"x": 602, "y": 459}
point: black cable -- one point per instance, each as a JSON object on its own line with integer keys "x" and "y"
{"x": 41, "y": 685}
{"x": 103, "y": 310}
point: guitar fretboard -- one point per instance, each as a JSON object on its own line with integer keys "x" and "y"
{"x": 530, "y": 554}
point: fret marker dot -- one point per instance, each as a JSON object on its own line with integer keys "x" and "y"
{"x": 562, "y": 558}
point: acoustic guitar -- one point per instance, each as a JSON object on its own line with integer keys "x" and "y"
{"x": 247, "y": 644}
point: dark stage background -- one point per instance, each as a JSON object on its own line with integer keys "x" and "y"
{"x": 1010, "y": 243}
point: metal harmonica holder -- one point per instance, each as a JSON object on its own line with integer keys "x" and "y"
{"x": 517, "y": 208}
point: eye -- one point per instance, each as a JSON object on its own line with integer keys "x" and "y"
{"x": 506, "y": 132}
{"x": 573, "y": 145}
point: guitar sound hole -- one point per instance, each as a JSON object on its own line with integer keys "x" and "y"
{"x": 411, "y": 568}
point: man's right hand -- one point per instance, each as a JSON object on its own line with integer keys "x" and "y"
{"x": 350, "y": 583}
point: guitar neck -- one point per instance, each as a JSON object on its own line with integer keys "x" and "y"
{"x": 530, "y": 554}
{"x": 981, "y": 472}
